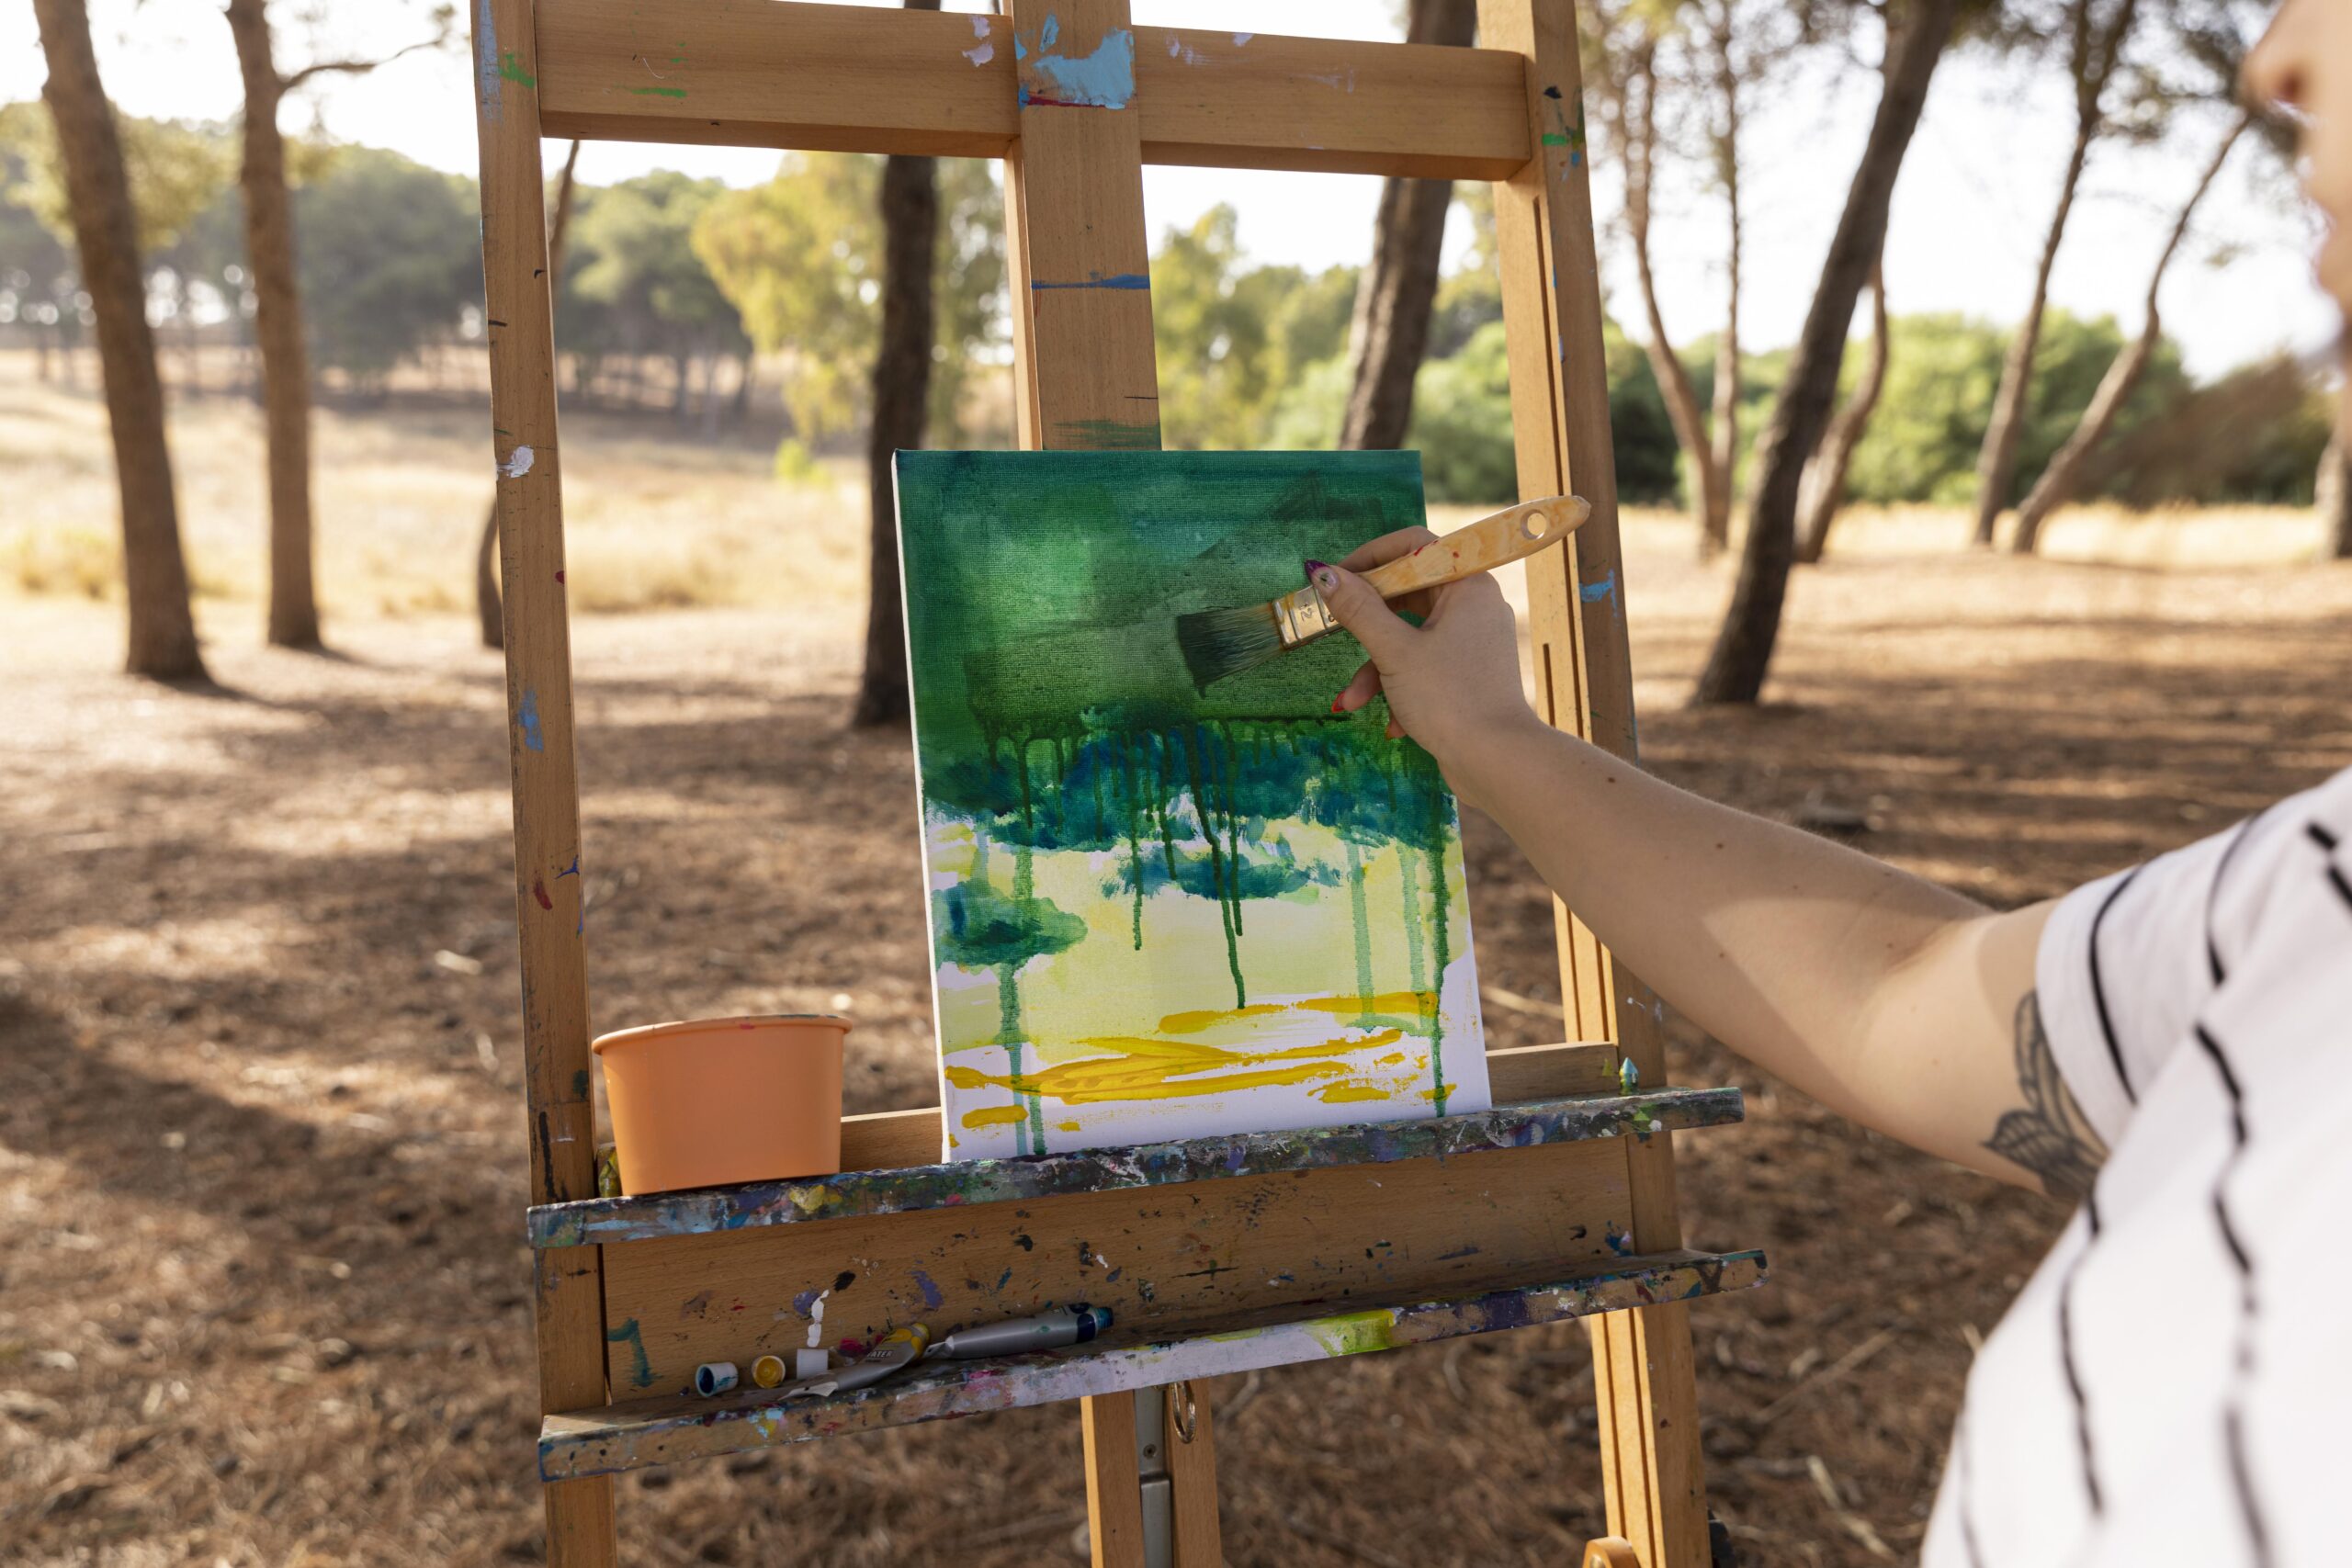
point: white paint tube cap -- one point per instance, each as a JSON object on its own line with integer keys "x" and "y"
{"x": 713, "y": 1377}
{"x": 813, "y": 1363}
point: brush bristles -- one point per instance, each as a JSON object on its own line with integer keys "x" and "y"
{"x": 1218, "y": 643}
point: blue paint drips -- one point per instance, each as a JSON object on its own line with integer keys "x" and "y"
{"x": 1104, "y": 79}
{"x": 1597, "y": 592}
{"x": 528, "y": 715}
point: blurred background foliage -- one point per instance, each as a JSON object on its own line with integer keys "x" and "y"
{"x": 780, "y": 281}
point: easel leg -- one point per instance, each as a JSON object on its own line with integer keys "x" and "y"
{"x": 1151, "y": 1494}
{"x": 1650, "y": 1462}
{"x": 580, "y": 1523}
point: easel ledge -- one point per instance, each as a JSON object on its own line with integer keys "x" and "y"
{"x": 643, "y": 1432}
{"x": 858, "y": 1193}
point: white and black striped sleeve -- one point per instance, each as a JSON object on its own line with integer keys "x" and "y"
{"x": 2126, "y": 962}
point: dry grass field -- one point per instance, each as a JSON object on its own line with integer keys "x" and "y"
{"x": 263, "y": 1291}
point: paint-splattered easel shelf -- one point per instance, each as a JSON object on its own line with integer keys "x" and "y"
{"x": 666, "y": 1430}
{"x": 875, "y": 1192}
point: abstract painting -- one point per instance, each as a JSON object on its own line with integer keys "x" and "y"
{"x": 1158, "y": 911}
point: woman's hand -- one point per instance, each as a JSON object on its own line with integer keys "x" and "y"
{"x": 1451, "y": 681}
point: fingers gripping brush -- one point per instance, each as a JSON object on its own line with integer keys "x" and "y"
{"x": 1218, "y": 643}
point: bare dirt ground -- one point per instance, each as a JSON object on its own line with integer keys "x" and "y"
{"x": 263, "y": 1291}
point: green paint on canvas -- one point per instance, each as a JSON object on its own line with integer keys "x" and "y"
{"x": 1058, "y": 729}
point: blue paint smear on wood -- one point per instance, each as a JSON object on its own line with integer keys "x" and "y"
{"x": 1104, "y": 79}
{"x": 528, "y": 715}
{"x": 641, "y": 1374}
{"x": 486, "y": 64}
{"x": 1140, "y": 280}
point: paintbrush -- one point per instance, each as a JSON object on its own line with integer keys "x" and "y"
{"x": 1218, "y": 643}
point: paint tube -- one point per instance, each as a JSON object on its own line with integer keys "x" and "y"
{"x": 899, "y": 1349}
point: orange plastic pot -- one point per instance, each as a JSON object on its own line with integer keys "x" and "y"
{"x": 717, "y": 1100}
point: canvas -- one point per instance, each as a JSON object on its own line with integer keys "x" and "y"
{"x": 1158, "y": 913}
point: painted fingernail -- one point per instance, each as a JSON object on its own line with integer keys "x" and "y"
{"x": 1316, "y": 569}
{"x": 1322, "y": 575}
{"x": 1335, "y": 704}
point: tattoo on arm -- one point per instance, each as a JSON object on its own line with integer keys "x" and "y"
{"x": 2050, "y": 1137}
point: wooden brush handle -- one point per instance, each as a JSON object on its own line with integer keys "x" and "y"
{"x": 1483, "y": 546}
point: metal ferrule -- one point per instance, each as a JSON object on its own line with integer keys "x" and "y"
{"x": 1303, "y": 616}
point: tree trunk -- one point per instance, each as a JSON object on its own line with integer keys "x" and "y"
{"x": 1996, "y": 461}
{"x": 162, "y": 629}
{"x": 2056, "y": 486}
{"x": 2094, "y": 54}
{"x": 277, "y": 330}
{"x": 1823, "y": 490}
{"x": 901, "y": 389}
{"x": 487, "y": 608}
{"x": 1673, "y": 381}
{"x": 1743, "y": 650}
{"x": 1723, "y": 458}
{"x": 2335, "y": 493}
{"x": 741, "y": 410}
{"x": 1390, "y": 331}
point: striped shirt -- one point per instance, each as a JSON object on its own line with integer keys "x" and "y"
{"x": 2174, "y": 1383}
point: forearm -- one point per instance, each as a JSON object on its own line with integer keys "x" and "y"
{"x": 1880, "y": 994}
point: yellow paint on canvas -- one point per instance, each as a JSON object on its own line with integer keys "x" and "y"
{"x": 1133, "y": 1067}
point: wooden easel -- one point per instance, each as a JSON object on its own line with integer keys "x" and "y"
{"x": 1244, "y": 1252}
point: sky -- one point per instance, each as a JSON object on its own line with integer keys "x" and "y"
{"x": 1967, "y": 223}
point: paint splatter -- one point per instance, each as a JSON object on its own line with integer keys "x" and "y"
{"x": 932, "y": 1297}
{"x": 539, "y": 891}
{"x": 659, "y": 91}
{"x": 980, "y": 55}
{"x": 1599, "y": 590}
{"x": 527, "y": 718}
{"x": 517, "y": 464}
{"x": 511, "y": 70}
{"x": 1240, "y": 39}
{"x": 815, "y": 1312}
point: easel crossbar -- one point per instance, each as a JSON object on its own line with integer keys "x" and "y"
{"x": 857, "y": 79}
